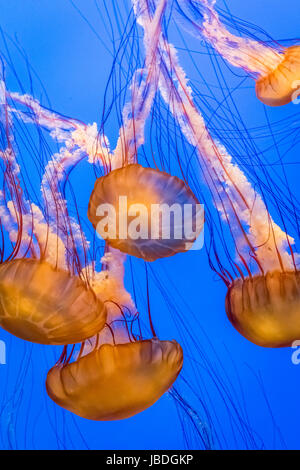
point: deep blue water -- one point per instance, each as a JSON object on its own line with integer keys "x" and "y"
{"x": 74, "y": 64}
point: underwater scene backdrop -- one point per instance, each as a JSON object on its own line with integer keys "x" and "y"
{"x": 81, "y": 60}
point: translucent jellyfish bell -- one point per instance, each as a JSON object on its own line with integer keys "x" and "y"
{"x": 266, "y": 309}
{"x": 45, "y": 305}
{"x": 116, "y": 381}
{"x": 279, "y": 86}
{"x": 135, "y": 191}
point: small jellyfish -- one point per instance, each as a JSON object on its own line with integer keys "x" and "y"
{"x": 275, "y": 69}
{"x": 116, "y": 381}
{"x": 280, "y": 85}
{"x": 45, "y": 305}
{"x": 266, "y": 309}
{"x": 138, "y": 204}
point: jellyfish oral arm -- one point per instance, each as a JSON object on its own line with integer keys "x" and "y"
{"x": 23, "y": 221}
{"x": 235, "y": 198}
{"x": 135, "y": 114}
{"x": 70, "y": 132}
{"x": 241, "y": 202}
{"x": 77, "y": 140}
{"x": 254, "y": 57}
{"x": 50, "y": 246}
{"x": 143, "y": 90}
{"x": 108, "y": 284}
{"x": 249, "y": 55}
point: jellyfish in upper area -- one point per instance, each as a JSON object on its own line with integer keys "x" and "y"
{"x": 275, "y": 68}
{"x": 263, "y": 303}
{"x": 137, "y": 204}
{"x": 141, "y": 211}
{"x": 281, "y": 84}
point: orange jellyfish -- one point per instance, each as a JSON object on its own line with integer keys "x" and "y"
{"x": 116, "y": 381}
{"x": 138, "y": 204}
{"x": 266, "y": 309}
{"x": 280, "y": 85}
{"x": 118, "y": 373}
{"x": 45, "y": 305}
{"x": 275, "y": 69}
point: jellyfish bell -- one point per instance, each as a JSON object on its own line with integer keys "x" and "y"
{"x": 144, "y": 201}
{"x": 116, "y": 381}
{"x": 41, "y": 304}
{"x": 266, "y": 309}
{"x": 280, "y": 85}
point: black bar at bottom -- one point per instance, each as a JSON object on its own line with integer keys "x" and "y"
{"x": 142, "y": 459}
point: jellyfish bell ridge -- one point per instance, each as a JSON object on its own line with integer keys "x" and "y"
{"x": 42, "y": 304}
{"x": 116, "y": 381}
{"x": 279, "y": 86}
{"x": 265, "y": 309}
{"x": 148, "y": 187}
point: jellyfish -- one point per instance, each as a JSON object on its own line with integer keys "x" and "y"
{"x": 280, "y": 85}
{"x": 116, "y": 381}
{"x": 117, "y": 373}
{"x": 275, "y": 69}
{"x": 266, "y": 308}
{"x": 152, "y": 194}
{"x": 256, "y": 305}
{"x": 45, "y": 305}
{"x": 149, "y": 195}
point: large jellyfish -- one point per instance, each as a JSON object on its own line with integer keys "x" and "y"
{"x": 275, "y": 68}
{"x": 46, "y": 305}
{"x": 150, "y": 195}
{"x": 256, "y": 305}
{"x": 116, "y": 381}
